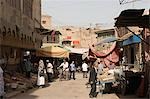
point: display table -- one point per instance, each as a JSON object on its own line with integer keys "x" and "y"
{"x": 106, "y": 81}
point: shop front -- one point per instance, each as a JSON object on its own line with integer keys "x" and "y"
{"x": 132, "y": 50}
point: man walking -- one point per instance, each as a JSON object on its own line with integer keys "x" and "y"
{"x": 100, "y": 67}
{"x": 28, "y": 67}
{"x": 65, "y": 68}
{"x": 49, "y": 71}
{"x": 84, "y": 69}
{"x": 92, "y": 81}
{"x": 72, "y": 70}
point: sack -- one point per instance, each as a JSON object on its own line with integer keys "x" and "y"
{"x": 41, "y": 73}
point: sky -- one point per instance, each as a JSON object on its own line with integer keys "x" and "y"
{"x": 86, "y": 12}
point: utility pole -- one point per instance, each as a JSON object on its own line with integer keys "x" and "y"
{"x": 80, "y": 35}
{"x": 90, "y": 32}
{"x": 90, "y": 28}
{"x": 127, "y": 1}
{"x": 132, "y": 4}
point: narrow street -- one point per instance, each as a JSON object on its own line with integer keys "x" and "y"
{"x": 108, "y": 38}
{"x": 73, "y": 89}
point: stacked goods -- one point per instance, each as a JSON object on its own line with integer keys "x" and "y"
{"x": 106, "y": 76}
{"x": 17, "y": 81}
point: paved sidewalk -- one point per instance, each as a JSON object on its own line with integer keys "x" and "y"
{"x": 72, "y": 89}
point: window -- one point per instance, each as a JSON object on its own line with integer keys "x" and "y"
{"x": 28, "y": 39}
{"x": 44, "y": 22}
{"x": 11, "y": 53}
{"x": 18, "y": 4}
{"x": 21, "y": 36}
{"x": 14, "y": 33}
{"x": 27, "y": 7}
{"x": 9, "y": 31}
{"x": 52, "y": 39}
{"x": 57, "y": 38}
{"x": 68, "y": 29}
{"x": 14, "y": 3}
{"x": 25, "y": 37}
{"x": 47, "y": 38}
{"x": 4, "y": 31}
{"x": 32, "y": 34}
{"x": 0, "y": 31}
{"x": 17, "y": 31}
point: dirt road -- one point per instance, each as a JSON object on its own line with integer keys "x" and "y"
{"x": 72, "y": 89}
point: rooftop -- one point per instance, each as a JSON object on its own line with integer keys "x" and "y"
{"x": 105, "y": 31}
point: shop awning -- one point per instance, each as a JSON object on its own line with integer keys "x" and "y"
{"x": 128, "y": 34}
{"x": 132, "y": 40}
{"x": 108, "y": 55}
{"x": 107, "y": 40}
{"x": 53, "y": 51}
{"x": 132, "y": 17}
{"x": 77, "y": 50}
{"x": 103, "y": 53}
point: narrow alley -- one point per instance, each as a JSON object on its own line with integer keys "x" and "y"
{"x": 45, "y": 43}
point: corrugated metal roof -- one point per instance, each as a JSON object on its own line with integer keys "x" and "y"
{"x": 132, "y": 17}
{"x": 105, "y": 31}
{"x": 126, "y": 36}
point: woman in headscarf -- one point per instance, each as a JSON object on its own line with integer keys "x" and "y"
{"x": 41, "y": 74}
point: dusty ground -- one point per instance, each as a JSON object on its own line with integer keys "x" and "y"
{"x": 72, "y": 89}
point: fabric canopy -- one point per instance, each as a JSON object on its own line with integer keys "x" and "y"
{"x": 132, "y": 40}
{"x": 107, "y": 40}
{"x": 109, "y": 55}
{"x": 103, "y": 53}
{"x": 77, "y": 50}
{"x": 53, "y": 51}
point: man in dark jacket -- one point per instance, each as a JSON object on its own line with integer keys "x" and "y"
{"x": 28, "y": 67}
{"x": 92, "y": 81}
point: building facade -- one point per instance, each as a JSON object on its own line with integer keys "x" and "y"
{"x": 19, "y": 20}
{"x": 46, "y": 21}
{"x": 79, "y": 36}
{"x": 103, "y": 34}
{"x": 131, "y": 45}
{"x": 50, "y": 37}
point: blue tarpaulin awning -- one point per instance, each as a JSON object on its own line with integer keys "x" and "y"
{"x": 132, "y": 40}
{"x": 107, "y": 40}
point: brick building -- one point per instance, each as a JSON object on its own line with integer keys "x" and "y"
{"x": 19, "y": 21}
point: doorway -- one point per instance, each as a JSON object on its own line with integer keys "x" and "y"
{"x": 132, "y": 55}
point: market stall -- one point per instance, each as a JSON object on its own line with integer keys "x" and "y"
{"x": 135, "y": 82}
{"x": 110, "y": 55}
{"x": 78, "y": 55}
{"x": 53, "y": 51}
{"x": 106, "y": 52}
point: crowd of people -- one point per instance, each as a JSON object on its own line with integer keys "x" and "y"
{"x": 67, "y": 71}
